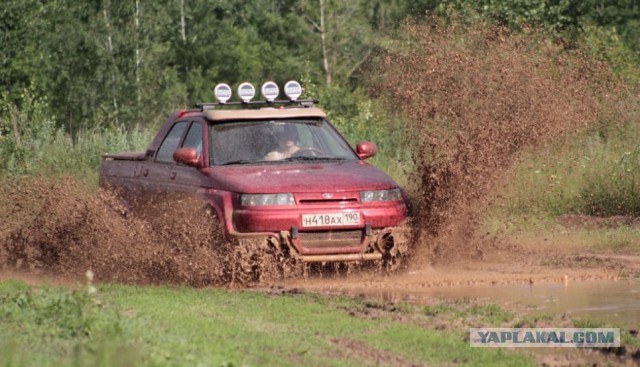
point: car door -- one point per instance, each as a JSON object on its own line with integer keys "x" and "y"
{"x": 156, "y": 173}
{"x": 187, "y": 179}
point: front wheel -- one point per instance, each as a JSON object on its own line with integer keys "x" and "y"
{"x": 395, "y": 250}
{"x": 260, "y": 260}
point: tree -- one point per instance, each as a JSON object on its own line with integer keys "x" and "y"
{"x": 344, "y": 36}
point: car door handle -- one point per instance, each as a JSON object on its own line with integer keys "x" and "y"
{"x": 145, "y": 172}
{"x": 173, "y": 175}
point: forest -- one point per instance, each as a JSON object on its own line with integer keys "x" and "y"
{"x": 84, "y": 77}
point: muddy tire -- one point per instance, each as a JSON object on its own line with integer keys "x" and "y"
{"x": 395, "y": 250}
{"x": 216, "y": 226}
{"x": 259, "y": 261}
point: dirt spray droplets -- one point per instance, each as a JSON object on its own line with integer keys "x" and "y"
{"x": 62, "y": 228}
{"x": 475, "y": 96}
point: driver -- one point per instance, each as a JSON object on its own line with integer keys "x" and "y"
{"x": 287, "y": 144}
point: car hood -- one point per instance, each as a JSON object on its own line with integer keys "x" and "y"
{"x": 295, "y": 177}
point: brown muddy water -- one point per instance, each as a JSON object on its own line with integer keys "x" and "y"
{"x": 610, "y": 301}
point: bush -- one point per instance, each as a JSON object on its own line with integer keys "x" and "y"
{"x": 23, "y": 132}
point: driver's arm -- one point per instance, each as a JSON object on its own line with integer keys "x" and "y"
{"x": 274, "y": 156}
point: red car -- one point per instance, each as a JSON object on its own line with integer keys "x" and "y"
{"x": 282, "y": 174}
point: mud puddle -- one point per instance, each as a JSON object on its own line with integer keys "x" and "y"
{"x": 611, "y": 301}
{"x": 577, "y": 292}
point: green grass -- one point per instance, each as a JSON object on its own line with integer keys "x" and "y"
{"x": 623, "y": 239}
{"x": 532, "y": 229}
{"x": 491, "y": 314}
{"x": 175, "y": 326}
{"x": 594, "y": 173}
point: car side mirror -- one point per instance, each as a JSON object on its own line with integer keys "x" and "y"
{"x": 188, "y": 156}
{"x": 366, "y": 149}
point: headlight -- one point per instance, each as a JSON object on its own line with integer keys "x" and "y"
{"x": 266, "y": 199}
{"x": 380, "y": 195}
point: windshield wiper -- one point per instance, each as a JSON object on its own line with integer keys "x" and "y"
{"x": 242, "y": 161}
{"x": 312, "y": 158}
{"x": 276, "y": 161}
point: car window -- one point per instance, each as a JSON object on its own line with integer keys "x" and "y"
{"x": 170, "y": 143}
{"x": 194, "y": 138}
{"x": 260, "y": 141}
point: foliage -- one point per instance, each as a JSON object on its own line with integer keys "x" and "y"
{"x": 130, "y": 63}
{"x": 607, "y": 29}
{"x": 65, "y": 326}
{"x": 606, "y": 43}
{"x": 30, "y": 143}
{"x": 23, "y": 132}
{"x": 370, "y": 121}
{"x": 565, "y": 17}
{"x": 613, "y": 190}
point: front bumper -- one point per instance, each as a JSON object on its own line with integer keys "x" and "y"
{"x": 330, "y": 246}
{"x": 377, "y": 215}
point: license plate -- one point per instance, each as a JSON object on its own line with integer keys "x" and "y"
{"x": 331, "y": 219}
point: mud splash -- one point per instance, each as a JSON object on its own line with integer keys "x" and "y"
{"x": 474, "y": 97}
{"x": 62, "y": 228}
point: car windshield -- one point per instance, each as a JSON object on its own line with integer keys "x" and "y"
{"x": 264, "y": 141}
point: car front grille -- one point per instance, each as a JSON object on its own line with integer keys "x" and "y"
{"x": 321, "y": 239}
{"x": 328, "y": 201}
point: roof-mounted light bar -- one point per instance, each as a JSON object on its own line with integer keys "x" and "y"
{"x": 246, "y": 91}
{"x": 269, "y": 90}
{"x": 293, "y": 90}
{"x": 222, "y": 93}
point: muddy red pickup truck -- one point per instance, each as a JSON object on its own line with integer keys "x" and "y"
{"x": 276, "y": 171}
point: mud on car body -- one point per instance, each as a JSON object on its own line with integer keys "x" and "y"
{"x": 280, "y": 173}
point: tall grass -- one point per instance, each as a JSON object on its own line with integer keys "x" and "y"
{"x": 33, "y": 143}
{"x": 65, "y": 327}
{"x": 79, "y": 156}
{"x": 593, "y": 173}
